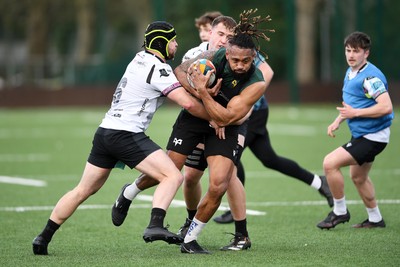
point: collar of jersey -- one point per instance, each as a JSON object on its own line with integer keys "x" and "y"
{"x": 162, "y": 61}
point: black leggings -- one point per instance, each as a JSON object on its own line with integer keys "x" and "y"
{"x": 257, "y": 139}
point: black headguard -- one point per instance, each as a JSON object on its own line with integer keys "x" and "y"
{"x": 157, "y": 37}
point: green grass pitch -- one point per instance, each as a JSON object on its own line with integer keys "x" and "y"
{"x": 50, "y": 146}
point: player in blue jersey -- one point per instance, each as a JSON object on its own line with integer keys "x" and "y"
{"x": 368, "y": 110}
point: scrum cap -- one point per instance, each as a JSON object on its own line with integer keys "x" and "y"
{"x": 157, "y": 37}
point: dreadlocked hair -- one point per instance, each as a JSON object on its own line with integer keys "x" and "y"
{"x": 247, "y": 34}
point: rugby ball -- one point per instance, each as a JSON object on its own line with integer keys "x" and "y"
{"x": 205, "y": 66}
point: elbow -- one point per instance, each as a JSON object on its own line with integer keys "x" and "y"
{"x": 389, "y": 110}
{"x": 272, "y": 74}
{"x": 188, "y": 105}
{"x": 223, "y": 123}
{"x": 386, "y": 110}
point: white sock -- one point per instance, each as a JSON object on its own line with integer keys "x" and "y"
{"x": 339, "y": 206}
{"x": 316, "y": 183}
{"x": 131, "y": 191}
{"x": 374, "y": 215}
{"x": 195, "y": 229}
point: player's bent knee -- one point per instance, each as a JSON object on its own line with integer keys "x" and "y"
{"x": 218, "y": 189}
{"x": 177, "y": 177}
{"x": 328, "y": 164}
{"x": 81, "y": 194}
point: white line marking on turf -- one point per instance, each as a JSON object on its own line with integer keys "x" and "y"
{"x": 180, "y": 204}
{"x": 81, "y": 207}
{"x": 290, "y": 129}
{"x": 314, "y": 203}
{"x": 24, "y": 157}
{"x": 22, "y": 181}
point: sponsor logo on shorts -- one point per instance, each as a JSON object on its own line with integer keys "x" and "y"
{"x": 177, "y": 141}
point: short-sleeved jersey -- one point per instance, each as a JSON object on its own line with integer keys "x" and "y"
{"x": 228, "y": 79}
{"x": 226, "y": 73}
{"x": 195, "y": 51}
{"x": 232, "y": 85}
{"x": 361, "y": 91}
{"x": 141, "y": 91}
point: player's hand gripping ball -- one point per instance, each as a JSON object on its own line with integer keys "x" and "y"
{"x": 205, "y": 66}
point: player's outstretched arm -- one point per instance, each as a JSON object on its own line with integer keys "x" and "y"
{"x": 188, "y": 102}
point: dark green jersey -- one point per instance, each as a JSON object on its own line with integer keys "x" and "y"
{"x": 231, "y": 85}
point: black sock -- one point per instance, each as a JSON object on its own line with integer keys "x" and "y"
{"x": 49, "y": 230}
{"x": 241, "y": 227}
{"x": 157, "y": 217}
{"x": 191, "y": 214}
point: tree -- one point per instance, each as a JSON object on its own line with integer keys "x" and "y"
{"x": 37, "y": 38}
{"x": 85, "y": 18}
{"x": 306, "y": 40}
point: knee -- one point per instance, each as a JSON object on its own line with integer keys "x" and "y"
{"x": 178, "y": 177}
{"x": 172, "y": 176}
{"x": 328, "y": 164}
{"x": 83, "y": 193}
{"x": 270, "y": 162}
{"x": 218, "y": 188}
{"x": 192, "y": 177}
{"x": 358, "y": 180}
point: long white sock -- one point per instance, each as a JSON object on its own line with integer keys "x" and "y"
{"x": 316, "y": 183}
{"x": 131, "y": 191}
{"x": 374, "y": 215}
{"x": 339, "y": 206}
{"x": 195, "y": 229}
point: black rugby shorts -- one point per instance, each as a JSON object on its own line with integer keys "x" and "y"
{"x": 111, "y": 146}
{"x": 187, "y": 132}
{"x": 364, "y": 150}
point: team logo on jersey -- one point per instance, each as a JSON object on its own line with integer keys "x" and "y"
{"x": 349, "y": 144}
{"x": 177, "y": 141}
{"x": 234, "y": 83}
{"x": 163, "y": 72}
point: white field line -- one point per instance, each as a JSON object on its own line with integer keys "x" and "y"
{"x": 314, "y": 203}
{"x": 180, "y": 204}
{"x": 22, "y": 181}
{"x": 262, "y": 174}
{"x": 146, "y": 198}
{"x": 292, "y": 130}
{"x": 32, "y": 157}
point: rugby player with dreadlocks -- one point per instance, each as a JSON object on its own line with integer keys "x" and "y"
{"x": 257, "y": 139}
{"x": 222, "y": 29}
{"x": 242, "y": 85}
{"x": 241, "y": 82}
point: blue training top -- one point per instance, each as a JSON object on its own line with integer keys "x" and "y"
{"x": 262, "y": 102}
{"x": 361, "y": 92}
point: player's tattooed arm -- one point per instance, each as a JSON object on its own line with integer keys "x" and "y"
{"x": 181, "y": 73}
